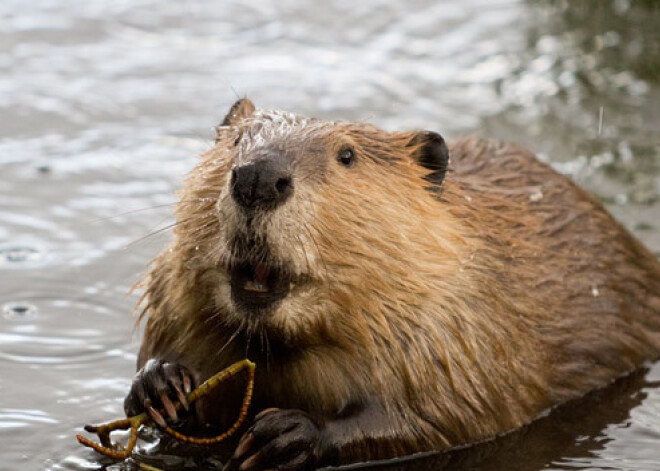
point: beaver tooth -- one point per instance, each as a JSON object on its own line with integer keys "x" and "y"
{"x": 255, "y": 287}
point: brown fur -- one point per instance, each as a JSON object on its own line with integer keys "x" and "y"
{"x": 444, "y": 317}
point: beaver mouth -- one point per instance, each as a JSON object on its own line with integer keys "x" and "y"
{"x": 258, "y": 286}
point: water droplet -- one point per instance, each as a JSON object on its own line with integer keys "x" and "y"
{"x": 536, "y": 195}
{"x": 19, "y": 254}
{"x": 18, "y": 310}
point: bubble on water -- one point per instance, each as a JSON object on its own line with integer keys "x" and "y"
{"x": 547, "y": 44}
{"x": 644, "y": 226}
{"x": 44, "y": 169}
{"x": 621, "y": 199}
{"x": 611, "y": 39}
{"x": 19, "y": 310}
{"x": 600, "y": 160}
{"x": 625, "y": 152}
{"x": 621, "y": 6}
{"x": 19, "y": 254}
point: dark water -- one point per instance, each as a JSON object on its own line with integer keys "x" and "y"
{"x": 104, "y": 105}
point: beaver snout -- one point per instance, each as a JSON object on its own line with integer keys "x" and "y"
{"x": 263, "y": 184}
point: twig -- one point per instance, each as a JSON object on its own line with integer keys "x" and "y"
{"x": 107, "y": 448}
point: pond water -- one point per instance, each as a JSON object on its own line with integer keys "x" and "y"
{"x": 105, "y": 104}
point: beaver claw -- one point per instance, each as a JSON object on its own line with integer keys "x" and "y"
{"x": 283, "y": 439}
{"x": 155, "y": 390}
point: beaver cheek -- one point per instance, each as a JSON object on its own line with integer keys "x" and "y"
{"x": 230, "y": 218}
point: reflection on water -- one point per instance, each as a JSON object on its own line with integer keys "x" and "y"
{"x": 105, "y": 104}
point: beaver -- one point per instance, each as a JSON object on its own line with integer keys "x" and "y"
{"x": 394, "y": 301}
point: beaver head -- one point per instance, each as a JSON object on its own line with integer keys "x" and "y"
{"x": 307, "y": 216}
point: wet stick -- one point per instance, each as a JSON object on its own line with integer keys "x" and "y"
{"x": 107, "y": 448}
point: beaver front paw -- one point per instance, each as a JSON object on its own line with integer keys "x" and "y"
{"x": 283, "y": 439}
{"x": 155, "y": 389}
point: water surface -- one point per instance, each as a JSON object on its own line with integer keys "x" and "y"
{"x": 105, "y": 104}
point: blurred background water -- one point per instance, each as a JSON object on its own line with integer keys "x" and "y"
{"x": 105, "y": 104}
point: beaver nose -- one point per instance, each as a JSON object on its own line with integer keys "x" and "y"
{"x": 262, "y": 183}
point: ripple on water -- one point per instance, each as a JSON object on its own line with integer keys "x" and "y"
{"x": 16, "y": 418}
{"x": 61, "y": 330}
{"x": 18, "y": 254}
{"x": 19, "y": 310}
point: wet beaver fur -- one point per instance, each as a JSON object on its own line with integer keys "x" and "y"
{"x": 394, "y": 301}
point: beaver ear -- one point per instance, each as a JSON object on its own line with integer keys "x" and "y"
{"x": 431, "y": 152}
{"x": 239, "y": 110}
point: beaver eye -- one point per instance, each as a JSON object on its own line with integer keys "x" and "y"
{"x": 346, "y": 157}
{"x": 237, "y": 140}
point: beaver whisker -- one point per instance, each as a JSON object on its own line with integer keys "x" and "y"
{"x": 151, "y": 234}
{"x": 177, "y": 223}
{"x": 268, "y": 351}
{"x": 215, "y": 255}
{"x": 205, "y": 228}
{"x": 304, "y": 250}
{"x": 148, "y": 208}
{"x": 249, "y": 329}
{"x": 249, "y": 246}
{"x": 318, "y": 250}
{"x": 134, "y": 211}
{"x": 238, "y": 330}
{"x": 201, "y": 233}
{"x": 262, "y": 333}
{"x": 322, "y": 231}
{"x": 200, "y": 199}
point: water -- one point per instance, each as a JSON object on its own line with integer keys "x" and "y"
{"x": 104, "y": 105}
